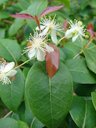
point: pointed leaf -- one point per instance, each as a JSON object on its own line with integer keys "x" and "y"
{"x": 49, "y": 99}
{"x": 90, "y": 29}
{"x": 50, "y": 10}
{"x": 52, "y": 61}
{"x": 22, "y": 16}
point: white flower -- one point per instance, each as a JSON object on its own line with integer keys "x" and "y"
{"x": 7, "y": 71}
{"x": 76, "y": 30}
{"x": 49, "y": 26}
{"x": 37, "y": 47}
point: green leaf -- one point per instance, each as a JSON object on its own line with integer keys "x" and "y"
{"x": 22, "y": 124}
{"x": 9, "y": 49}
{"x": 11, "y": 123}
{"x": 2, "y": 33}
{"x": 3, "y": 109}
{"x": 83, "y": 3}
{"x": 12, "y": 94}
{"x": 62, "y": 55}
{"x": 37, "y": 7}
{"x": 3, "y": 1}
{"x": 4, "y": 14}
{"x": 49, "y": 99}
{"x": 36, "y": 123}
{"x": 71, "y": 50}
{"x": 23, "y": 4}
{"x": 18, "y": 23}
{"x": 93, "y": 94}
{"x": 83, "y": 113}
{"x": 65, "y": 2}
{"x": 80, "y": 72}
{"x": 90, "y": 55}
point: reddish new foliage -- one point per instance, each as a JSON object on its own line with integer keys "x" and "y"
{"x": 65, "y": 25}
{"x": 52, "y": 61}
{"x": 51, "y": 9}
{"x": 22, "y": 16}
{"x": 90, "y": 29}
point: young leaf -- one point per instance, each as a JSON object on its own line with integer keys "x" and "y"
{"x": 49, "y": 99}
{"x": 22, "y": 16}
{"x": 26, "y": 16}
{"x": 50, "y": 10}
{"x": 83, "y": 113}
{"x": 90, "y": 29}
{"x": 52, "y": 61}
{"x": 12, "y": 94}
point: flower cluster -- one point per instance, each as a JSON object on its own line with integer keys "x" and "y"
{"x": 7, "y": 71}
{"x": 38, "y": 45}
{"x": 75, "y": 31}
{"x": 49, "y": 26}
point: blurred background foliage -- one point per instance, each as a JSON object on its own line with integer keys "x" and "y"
{"x": 19, "y": 30}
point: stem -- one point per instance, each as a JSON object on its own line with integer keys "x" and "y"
{"x": 61, "y": 39}
{"x": 22, "y": 64}
{"x": 78, "y": 54}
{"x": 8, "y": 114}
{"x": 87, "y": 45}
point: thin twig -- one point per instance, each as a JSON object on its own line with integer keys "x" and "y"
{"x": 22, "y": 64}
{"x": 8, "y": 114}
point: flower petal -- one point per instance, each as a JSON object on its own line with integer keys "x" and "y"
{"x": 8, "y": 67}
{"x": 49, "y": 48}
{"x": 74, "y": 38}
{"x": 41, "y": 27}
{"x": 44, "y": 32}
{"x": 68, "y": 34}
{"x": 11, "y": 73}
{"x": 31, "y": 53}
{"x": 40, "y": 55}
{"x": 53, "y": 36}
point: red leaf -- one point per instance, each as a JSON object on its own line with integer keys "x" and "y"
{"x": 90, "y": 26}
{"x": 22, "y": 16}
{"x": 90, "y": 29}
{"x": 65, "y": 24}
{"x": 50, "y": 9}
{"x": 27, "y": 16}
{"x": 52, "y": 61}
